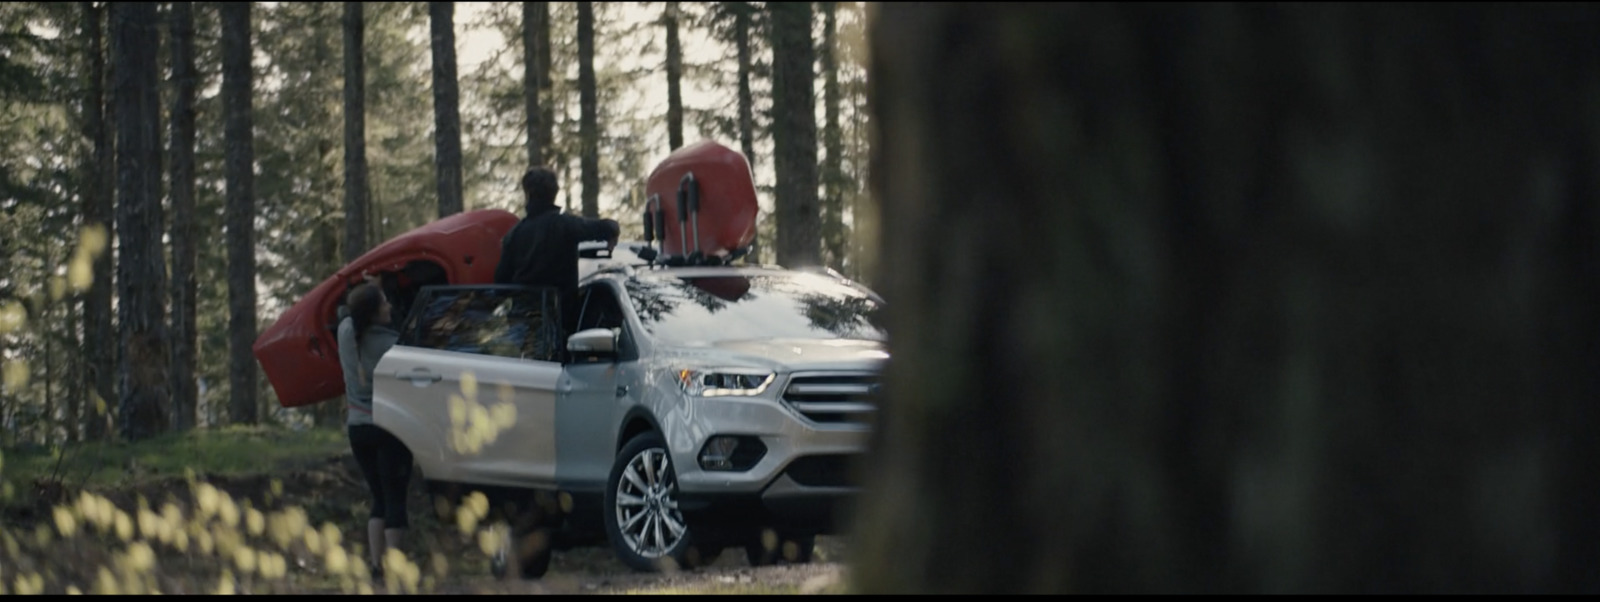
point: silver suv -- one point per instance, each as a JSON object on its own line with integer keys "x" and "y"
{"x": 691, "y": 409}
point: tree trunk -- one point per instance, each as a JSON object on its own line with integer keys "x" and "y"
{"x": 355, "y": 134}
{"x": 547, "y": 110}
{"x": 185, "y": 396}
{"x": 741, "y": 33}
{"x": 98, "y": 334}
{"x": 669, "y": 19}
{"x": 141, "y": 267}
{"x": 446, "y": 108}
{"x": 1295, "y": 299}
{"x": 833, "y": 231}
{"x": 588, "y": 130}
{"x": 533, "y": 14}
{"x": 237, "y": 93}
{"x": 794, "y": 136}
{"x": 75, "y": 372}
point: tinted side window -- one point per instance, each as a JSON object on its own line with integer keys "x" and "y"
{"x": 600, "y": 309}
{"x": 502, "y": 321}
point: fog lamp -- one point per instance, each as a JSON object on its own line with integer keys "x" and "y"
{"x": 718, "y": 453}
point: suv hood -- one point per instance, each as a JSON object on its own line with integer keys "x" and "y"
{"x": 787, "y": 354}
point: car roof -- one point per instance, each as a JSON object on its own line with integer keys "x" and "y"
{"x": 625, "y": 263}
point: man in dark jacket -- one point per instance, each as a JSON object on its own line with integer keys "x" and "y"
{"x": 542, "y": 250}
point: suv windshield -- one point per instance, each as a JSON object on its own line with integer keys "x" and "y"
{"x": 709, "y": 309}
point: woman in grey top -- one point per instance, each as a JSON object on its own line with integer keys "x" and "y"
{"x": 365, "y": 335}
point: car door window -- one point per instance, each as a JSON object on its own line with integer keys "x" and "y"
{"x": 503, "y": 321}
{"x": 601, "y": 310}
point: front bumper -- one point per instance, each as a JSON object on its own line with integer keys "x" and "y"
{"x": 813, "y": 494}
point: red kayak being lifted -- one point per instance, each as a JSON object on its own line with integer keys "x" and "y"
{"x": 701, "y": 205}
{"x": 300, "y": 352}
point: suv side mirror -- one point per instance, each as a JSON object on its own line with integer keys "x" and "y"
{"x": 593, "y": 342}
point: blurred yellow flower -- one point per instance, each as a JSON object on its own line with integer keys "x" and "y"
{"x": 338, "y": 561}
{"x": 124, "y": 526}
{"x": 228, "y": 511}
{"x": 80, "y": 273}
{"x": 64, "y": 521}
{"x": 225, "y": 583}
{"x": 12, "y": 316}
{"x": 105, "y": 584}
{"x": 245, "y": 559}
{"x": 140, "y": 557}
{"x": 148, "y": 522}
{"x": 479, "y": 504}
{"x": 487, "y": 541}
{"x": 441, "y": 565}
{"x": 255, "y": 522}
{"x": 15, "y": 375}
{"x": 330, "y": 535}
{"x": 207, "y": 496}
{"x": 92, "y": 240}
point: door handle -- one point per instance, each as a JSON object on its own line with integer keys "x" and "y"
{"x": 419, "y": 376}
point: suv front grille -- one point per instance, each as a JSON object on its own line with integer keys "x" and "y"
{"x": 834, "y": 398}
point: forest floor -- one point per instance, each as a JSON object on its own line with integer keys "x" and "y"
{"x": 260, "y": 511}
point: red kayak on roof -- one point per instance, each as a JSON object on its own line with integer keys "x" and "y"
{"x": 300, "y": 354}
{"x": 711, "y": 186}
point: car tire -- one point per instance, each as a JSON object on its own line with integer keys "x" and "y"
{"x": 767, "y": 547}
{"x": 642, "y": 519}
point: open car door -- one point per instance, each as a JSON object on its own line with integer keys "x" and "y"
{"x": 299, "y": 352}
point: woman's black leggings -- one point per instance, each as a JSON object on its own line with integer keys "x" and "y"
{"x": 387, "y": 465}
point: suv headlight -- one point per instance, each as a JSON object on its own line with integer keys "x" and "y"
{"x": 724, "y": 382}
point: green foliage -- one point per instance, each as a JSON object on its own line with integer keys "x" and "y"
{"x": 632, "y": 139}
{"x": 219, "y": 451}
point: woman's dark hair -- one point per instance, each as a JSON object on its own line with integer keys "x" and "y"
{"x": 364, "y": 301}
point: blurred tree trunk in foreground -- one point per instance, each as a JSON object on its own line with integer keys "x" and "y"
{"x": 1290, "y": 299}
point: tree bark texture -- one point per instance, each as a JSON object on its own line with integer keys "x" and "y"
{"x": 547, "y": 108}
{"x": 355, "y": 133}
{"x": 99, "y": 335}
{"x": 833, "y": 230}
{"x": 741, "y": 33}
{"x": 588, "y": 129}
{"x": 141, "y": 266}
{"x": 533, "y": 14}
{"x": 239, "y": 161}
{"x": 185, "y": 396}
{"x": 446, "y": 108}
{"x": 669, "y": 20}
{"x": 1236, "y": 298}
{"x": 794, "y": 136}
